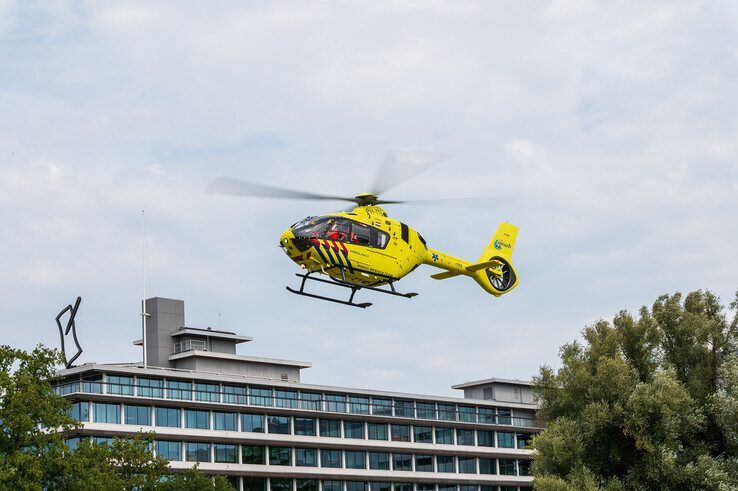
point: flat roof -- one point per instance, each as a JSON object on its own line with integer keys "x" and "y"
{"x": 239, "y": 358}
{"x": 196, "y": 331}
{"x": 487, "y": 381}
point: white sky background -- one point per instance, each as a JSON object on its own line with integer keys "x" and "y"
{"x": 617, "y": 122}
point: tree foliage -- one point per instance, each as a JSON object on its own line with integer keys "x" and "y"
{"x": 645, "y": 402}
{"x": 33, "y": 452}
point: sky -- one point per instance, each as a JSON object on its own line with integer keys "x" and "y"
{"x": 615, "y": 122}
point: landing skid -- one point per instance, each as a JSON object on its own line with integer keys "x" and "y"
{"x": 354, "y": 288}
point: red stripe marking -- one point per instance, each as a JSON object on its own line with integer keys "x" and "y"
{"x": 343, "y": 246}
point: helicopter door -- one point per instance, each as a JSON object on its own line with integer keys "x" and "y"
{"x": 367, "y": 236}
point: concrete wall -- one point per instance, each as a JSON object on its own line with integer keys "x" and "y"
{"x": 500, "y": 391}
{"x": 263, "y": 370}
{"x": 166, "y": 315}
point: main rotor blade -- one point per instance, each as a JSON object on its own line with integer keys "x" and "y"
{"x": 480, "y": 202}
{"x": 400, "y": 166}
{"x": 237, "y": 187}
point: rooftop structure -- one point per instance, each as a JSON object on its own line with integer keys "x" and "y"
{"x": 253, "y": 420}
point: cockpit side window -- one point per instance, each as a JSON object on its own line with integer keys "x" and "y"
{"x": 338, "y": 229}
{"x": 368, "y": 236}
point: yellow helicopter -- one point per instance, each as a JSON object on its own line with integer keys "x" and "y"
{"x": 365, "y": 249}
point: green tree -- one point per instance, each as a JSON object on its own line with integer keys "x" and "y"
{"x": 646, "y": 402}
{"x": 28, "y": 406}
{"x": 33, "y": 452}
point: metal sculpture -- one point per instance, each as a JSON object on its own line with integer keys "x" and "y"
{"x": 71, "y": 326}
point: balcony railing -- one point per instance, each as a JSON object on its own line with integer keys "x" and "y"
{"x": 190, "y": 345}
{"x": 310, "y": 401}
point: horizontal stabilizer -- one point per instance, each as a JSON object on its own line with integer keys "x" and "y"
{"x": 444, "y": 275}
{"x": 488, "y": 264}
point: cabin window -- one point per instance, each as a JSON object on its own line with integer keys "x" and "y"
{"x": 368, "y": 236}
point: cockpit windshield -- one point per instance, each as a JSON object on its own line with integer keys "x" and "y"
{"x": 342, "y": 230}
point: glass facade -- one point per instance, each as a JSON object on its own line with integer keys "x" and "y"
{"x": 468, "y": 447}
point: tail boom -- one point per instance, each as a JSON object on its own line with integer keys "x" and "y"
{"x": 493, "y": 271}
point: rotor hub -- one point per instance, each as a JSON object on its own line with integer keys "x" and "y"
{"x": 366, "y": 199}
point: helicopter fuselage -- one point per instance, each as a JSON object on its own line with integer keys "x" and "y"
{"x": 364, "y": 247}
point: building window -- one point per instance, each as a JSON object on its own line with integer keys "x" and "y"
{"x": 306, "y": 457}
{"x": 226, "y": 453}
{"x": 332, "y": 485}
{"x": 423, "y": 434}
{"x": 253, "y": 454}
{"x": 330, "y": 428}
{"x": 507, "y": 467}
{"x": 446, "y": 412}
{"x": 445, "y": 436}
{"x": 426, "y": 487}
{"x": 287, "y": 398}
{"x": 485, "y": 438}
{"x": 379, "y": 460}
{"x": 445, "y": 463}
{"x": 353, "y": 429}
{"x": 169, "y": 417}
{"x": 355, "y": 460}
{"x": 464, "y": 437}
{"x": 468, "y": 414}
{"x": 359, "y": 405}
{"x": 199, "y": 420}
{"x": 426, "y": 410}
{"x": 524, "y": 467}
{"x": 451, "y": 487}
{"x": 487, "y": 415}
{"x": 150, "y": 387}
{"x": 224, "y": 421}
{"x": 380, "y": 486}
{"x": 233, "y": 394}
{"x": 137, "y": 415}
{"x": 280, "y": 484}
{"x": 102, "y": 440}
{"x": 305, "y": 426}
{"x": 404, "y": 409}
{"x": 306, "y": 485}
{"x": 80, "y": 411}
{"x": 252, "y": 422}
{"x": 382, "y": 407}
{"x": 330, "y": 458}
{"x": 254, "y": 484}
{"x": 402, "y": 462}
{"x": 403, "y": 486}
{"x": 377, "y": 431}
{"x": 467, "y": 465}
{"x": 503, "y": 416}
{"x": 197, "y": 452}
{"x": 179, "y": 390}
{"x": 207, "y": 393}
{"x": 335, "y": 403}
{"x": 310, "y": 401}
{"x": 106, "y": 413}
{"x": 279, "y": 425}
{"x": 487, "y": 466}
{"x": 356, "y": 486}
{"x": 280, "y": 456}
{"x": 468, "y": 487}
{"x": 72, "y": 443}
{"x": 260, "y": 397}
{"x": 424, "y": 463}
{"x": 523, "y": 440}
{"x": 92, "y": 384}
{"x": 169, "y": 450}
{"x": 120, "y": 385}
{"x": 505, "y": 440}
{"x": 400, "y": 433}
